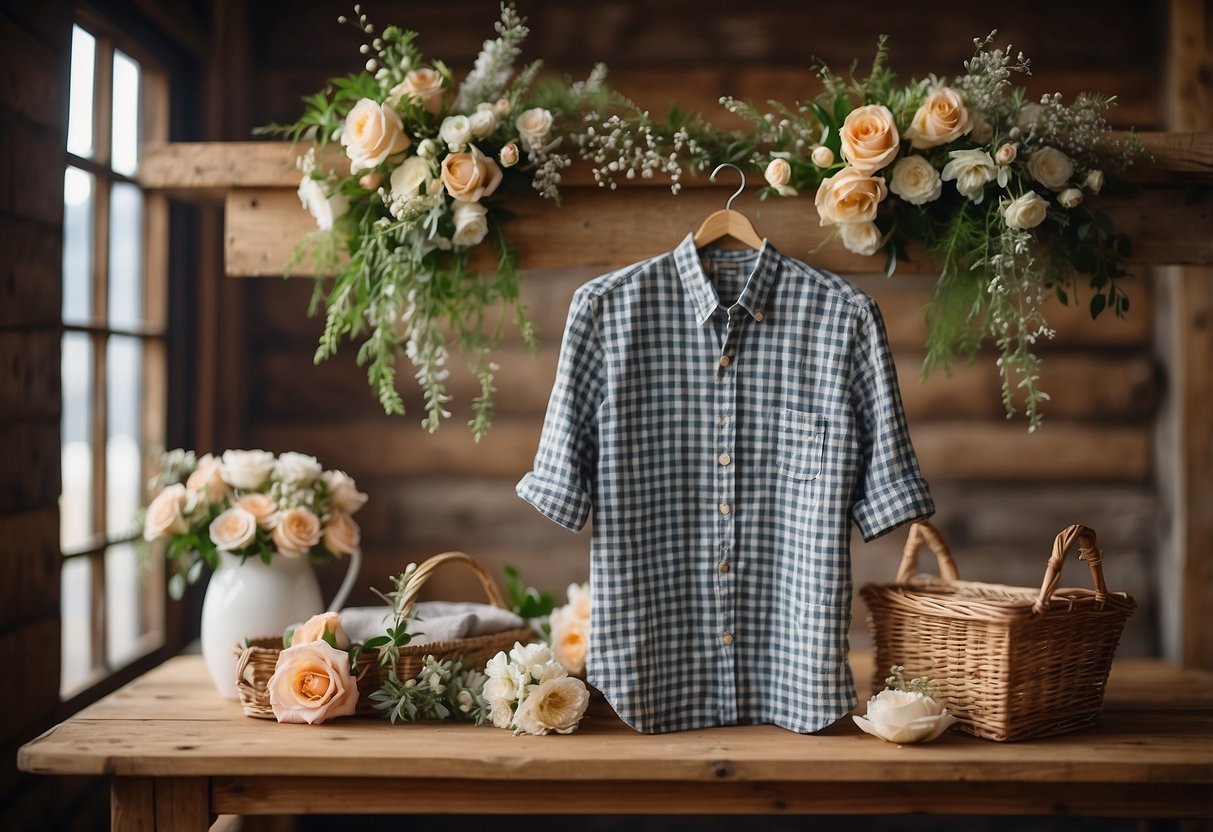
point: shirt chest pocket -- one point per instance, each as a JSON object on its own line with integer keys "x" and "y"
{"x": 799, "y": 443}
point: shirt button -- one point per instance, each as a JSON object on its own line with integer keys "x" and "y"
{"x": 726, "y": 638}
{"x": 724, "y": 459}
{"x": 724, "y": 568}
{"x": 725, "y": 361}
{"x": 726, "y": 509}
{"x": 758, "y": 315}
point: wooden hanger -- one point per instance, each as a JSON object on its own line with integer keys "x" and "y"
{"x": 727, "y": 222}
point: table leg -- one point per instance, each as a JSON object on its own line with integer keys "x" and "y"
{"x": 132, "y": 804}
{"x": 160, "y": 804}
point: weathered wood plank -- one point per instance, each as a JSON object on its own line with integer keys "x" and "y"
{"x": 32, "y": 646}
{"x": 33, "y": 81}
{"x": 599, "y": 228}
{"x": 182, "y": 803}
{"x": 31, "y": 286}
{"x": 133, "y": 804}
{"x": 27, "y": 152}
{"x": 29, "y": 375}
{"x": 30, "y": 477}
{"x": 29, "y": 557}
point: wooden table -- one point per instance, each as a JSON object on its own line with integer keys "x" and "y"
{"x": 178, "y": 754}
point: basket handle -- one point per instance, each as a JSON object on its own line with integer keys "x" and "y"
{"x": 426, "y": 569}
{"x": 923, "y": 532}
{"x": 1087, "y": 550}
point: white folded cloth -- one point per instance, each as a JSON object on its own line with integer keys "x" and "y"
{"x": 433, "y": 621}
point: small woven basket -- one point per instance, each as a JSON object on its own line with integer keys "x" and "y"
{"x": 256, "y": 662}
{"x": 1010, "y": 662}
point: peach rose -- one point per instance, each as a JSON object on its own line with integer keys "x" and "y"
{"x": 570, "y": 639}
{"x": 315, "y": 627}
{"x": 312, "y": 683}
{"x": 941, "y": 118}
{"x": 207, "y": 479}
{"x": 508, "y": 155}
{"x": 341, "y": 534}
{"x": 343, "y": 492}
{"x": 167, "y": 514}
{"x": 233, "y": 529}
{"x": 555, "y": 705}
{"x": 424, "y": 85}
{"x": 371, "y": 134}
{"x": 849, "y": 196}
{"x": 822, "y": 156}
{"x": 470, "y": 176}
{"x": 262, "y": 507}
{"x": 579, "y": 600}
{"x": 297, "y": 531}
{"x": 869, "y": 138}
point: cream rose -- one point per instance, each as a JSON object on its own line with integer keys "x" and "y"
{"x": 428, "y": 149}
{"x": 262, "y": 507}
{"x": 343, "y": 492}
{"x": 471, "y": 223}
{"x": 869, "y": 138}
{"x": 501, "y": 713}
{"x": 860, "y": 237}
{"x": 903, "y": 717}
{"x": 233, "y": 529}
{"x": 409, "y": 180}
{"x": 942, "y": 118}
{"x": 483, "y": 122}
{"x": 778, "y": 174}
{"x": 915, "y": 180}
{"x": 1006, "y": 154}
{"x": 315, "y": 627}
{"x": 341, "y": 534}
{"x": 1070, "y": 198}
{"x": 555, "y": 705}
{"x": 312, "y": 683}
{"x": 822, "y": 156}
{"x": 1051, "y": 168}
{"x": 423, "y": 85}
{"x": 371, "y": 134}
{"x": 971, "y": 169}
{"x": 508, "y": 155}
{"x": 849, "y": 196}
{"x": 1028, "y": 211}
{"x": 296, "y": 468}
{"x": 469, "y": 177}
{"x": 570, "y": 639}
{"x": 325, "y": 209}
{"x": 456, "y": 131}
{"x": 207, "y": 479}
{"x": 247, "y": 470}
{"x": 298, "y": 530}
{"x": 167, "y": 514}
{"x": 534, "y": 126}
{"x": 1094, "y": 181}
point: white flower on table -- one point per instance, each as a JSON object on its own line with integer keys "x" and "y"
{"x": 903, "y": 717}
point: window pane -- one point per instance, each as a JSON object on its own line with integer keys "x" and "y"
{"x": 75, "y": 662}
{"x": 75, "y": 500}
{"x": 125, "y": 151}
{"x": 122, "y": 604}
{"x": 77, "y": 245}
{"x": 126, "y": 255}
{"x": 80, "y": 106}
{"x": 123, "y": 468}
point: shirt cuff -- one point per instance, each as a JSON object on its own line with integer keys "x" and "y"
{"x": 892, "y": 506}
{"x": 559, "y": 501}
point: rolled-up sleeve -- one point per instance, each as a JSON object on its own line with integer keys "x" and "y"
{"x": 561, "y": 484}
{"x": 890, "y": 490}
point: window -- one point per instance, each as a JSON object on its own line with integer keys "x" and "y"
{"x": 113, "y": 356}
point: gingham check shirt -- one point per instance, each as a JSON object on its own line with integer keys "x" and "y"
{"x": 724, "y": 450}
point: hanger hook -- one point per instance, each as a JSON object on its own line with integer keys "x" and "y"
{"x": 729, "y": 205}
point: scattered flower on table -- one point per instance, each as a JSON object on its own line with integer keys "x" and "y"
{"x": 905, "y": 712}
{"x": 570, "y": 627}
{"x": 312, "y": 683}
{"x": 530, "y": 692}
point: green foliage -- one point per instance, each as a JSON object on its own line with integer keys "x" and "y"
{"x": 921, "y": 684}
{"x": 526, "y": 601}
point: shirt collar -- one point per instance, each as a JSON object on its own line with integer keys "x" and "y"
{"x": 702, "y": 293}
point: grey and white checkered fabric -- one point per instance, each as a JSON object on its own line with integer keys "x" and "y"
{"x": 724, "y": 451}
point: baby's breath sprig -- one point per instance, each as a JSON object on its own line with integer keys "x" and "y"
{"x": 921, "y": 684}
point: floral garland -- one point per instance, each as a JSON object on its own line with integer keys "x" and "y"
{"x": 993, "y": 184}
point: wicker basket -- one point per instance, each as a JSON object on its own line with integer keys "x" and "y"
{"x": 1010, "y": 662}
{"x": 256, "y": 662}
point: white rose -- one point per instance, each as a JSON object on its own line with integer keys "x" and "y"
{"x": 206, "y": 479}
{"x": 372, "y": 132}
{"x": 483, "y": 122}
{"x": 324, "y": 209}
{"x": 555, "y": 705}
{"x": 233, "y": 529}
{"x": 1094, "y": 181}
{"x": 167, "y": 514}
{"x": 409, "y": 179}
{"x": 778, "y": 174}
{"x": 296, "y": 468}
{"x": 427, "y": 149}
{"x": 971, "y": 169}
{"x": 500, "y": 689}
{"x": 1028, "y": 211}
{"x": 1051, "y": 168}
{"x": 823, "y": 157}
{"x": 534, "y": 125}
{"x": 902, "y": 717}
{"x": 471, "y": 223}
{"x": 456, "y": 131}
{"x": 860, "y": 237}
{"x": 343, "y": 493}
{"x": 247, "y": 470}
{"x": 1070, "y": 198}
{"x": 530, "y": 655}
{"x": 298, "y": 530}
{"x": 915, "y": 180}
{"x": 501, "y": 713}
{"x": 1006, "y": 154}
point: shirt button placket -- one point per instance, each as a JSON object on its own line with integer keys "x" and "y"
{"x": 726, "y": 473}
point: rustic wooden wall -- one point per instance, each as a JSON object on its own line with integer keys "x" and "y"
{"x": 1002, "y": 494}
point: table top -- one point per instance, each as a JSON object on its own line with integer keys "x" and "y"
{"x": 1157, "y": 727}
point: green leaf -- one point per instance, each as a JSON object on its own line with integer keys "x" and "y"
{"x": 1062, "y": 296}
{"x": 330, "y": 637}
{"x": 1098, "y": 302}
{"x": 375, "y": 643}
